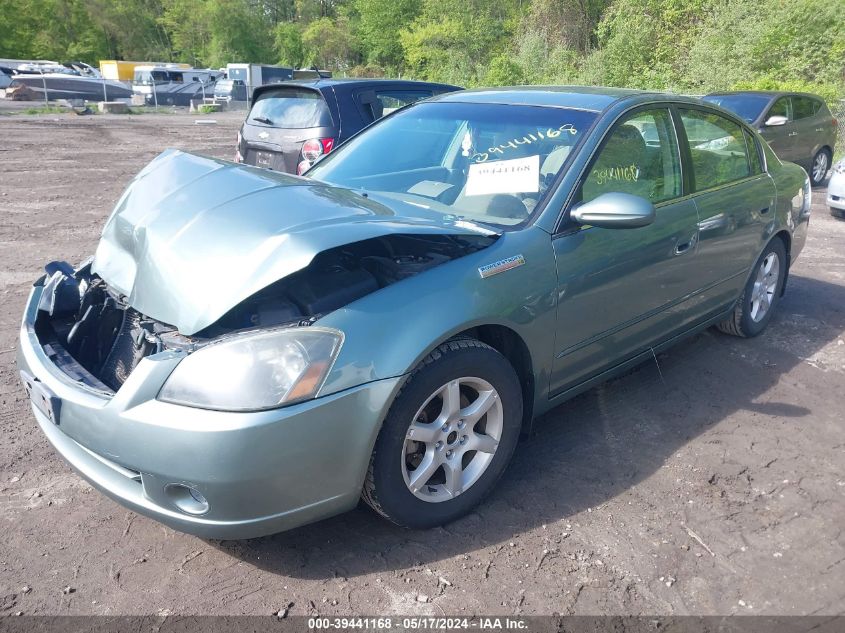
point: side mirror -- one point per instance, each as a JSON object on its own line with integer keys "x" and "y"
{"x": 615, "y": 210}
{"x": 776, "y": 120}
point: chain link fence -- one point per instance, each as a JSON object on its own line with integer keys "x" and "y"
{"x": 839, "y": 114}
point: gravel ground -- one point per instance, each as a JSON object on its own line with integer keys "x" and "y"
{"x": 716, "y": 488}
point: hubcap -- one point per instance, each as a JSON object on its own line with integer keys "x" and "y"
{"x": 765, "y": 284}
{"x": 452, "y": 439}
{"x": 820, "y": 167}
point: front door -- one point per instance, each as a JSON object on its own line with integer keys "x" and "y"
{"x": 783, "y": 139}
{"x": 621, "y": 290}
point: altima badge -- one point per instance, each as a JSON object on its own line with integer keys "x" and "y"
{"x": 501, "y": 266}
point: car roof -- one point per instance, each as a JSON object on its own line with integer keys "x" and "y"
{"x": 579, "y": 97}
{"x": 350, "y": 82}
{"x": 762, "y": 93}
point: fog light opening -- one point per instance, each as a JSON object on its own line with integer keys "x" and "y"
{"x": 187, "y": 499}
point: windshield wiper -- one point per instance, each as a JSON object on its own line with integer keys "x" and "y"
{"x": 262, "y": 119}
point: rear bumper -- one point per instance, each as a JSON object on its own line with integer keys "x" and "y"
{"x": 261, "y": 472}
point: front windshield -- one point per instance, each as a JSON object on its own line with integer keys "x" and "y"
{"x": 748, "y": 107}
{"x": 487, "y": 162}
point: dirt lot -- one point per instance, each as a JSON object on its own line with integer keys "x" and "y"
{"x": 716, "y": 489}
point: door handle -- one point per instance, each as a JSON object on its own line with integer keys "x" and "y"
{"x": 686, "y": 247}
{"x": 819, "y": 129}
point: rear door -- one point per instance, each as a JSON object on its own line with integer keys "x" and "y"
{"x": 621, "y": 290}
{"x": 810, "y": 136}
{"x": 735, "y": 199}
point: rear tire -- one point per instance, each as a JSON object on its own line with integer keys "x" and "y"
{"x": 761, "y": 295}
{"x": 819, "y": 167}
{"x": 447, "y": 438}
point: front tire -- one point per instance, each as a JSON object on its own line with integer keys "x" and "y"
{"x": 447, "y": 438}
{"x": 761, "y": 295}
{"x": 819, "y": 167}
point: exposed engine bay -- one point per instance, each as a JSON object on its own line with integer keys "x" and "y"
{"x": 94, "y": 335}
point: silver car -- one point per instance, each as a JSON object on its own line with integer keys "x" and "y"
{"x": 836, "y": 190}
{"x": 799, "y": 127}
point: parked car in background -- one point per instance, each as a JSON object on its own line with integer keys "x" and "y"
{"x": 170, "y": 84}
{"x": 5, "y": 77}
{"x": 799, "y": 127}
{"x": 249, "y": 351}
{"x": 291, "y": 125}
{"x": 230, "y": 90}
{"x": 836, "y": 190}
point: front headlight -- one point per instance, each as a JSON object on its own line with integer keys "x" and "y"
{"x": 259, "y": 370}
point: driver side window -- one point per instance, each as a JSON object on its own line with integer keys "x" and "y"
{"x": 639, "y": 157}
{"x": 782, "y": 107}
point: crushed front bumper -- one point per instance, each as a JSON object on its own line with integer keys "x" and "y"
{"x": 260, "y": 472}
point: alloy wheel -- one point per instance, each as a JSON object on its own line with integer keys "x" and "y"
{"x": 820, "y": 167}
{"x": 765, "y": 286}
{"x": 452, "y": 439}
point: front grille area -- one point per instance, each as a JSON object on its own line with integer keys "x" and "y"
{"x": 126, "y": 351}
{"x": 92, "y": 335}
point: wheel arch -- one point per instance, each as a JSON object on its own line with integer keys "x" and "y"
{"x": 784, "y": 236}
{"x": 511, "y": 345}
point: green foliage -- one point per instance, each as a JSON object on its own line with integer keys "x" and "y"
{"x": 691, "y": 46}
{"x": 329, "y": 44}
{"x": 378, "y": 23}
{"x": 455, "y": 40}
{"x": 289, "y": 46}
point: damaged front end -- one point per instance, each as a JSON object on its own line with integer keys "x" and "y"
{"x": 198, "y": 249}
{"x": 93, "y": 333}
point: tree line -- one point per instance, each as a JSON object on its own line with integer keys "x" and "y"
{"x": 691, "y": 46}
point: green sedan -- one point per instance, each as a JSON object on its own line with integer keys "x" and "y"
{"x": 249, "y": 351}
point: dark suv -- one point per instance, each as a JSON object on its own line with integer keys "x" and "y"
{"x": 798, "y": 126}
{"x": 292, "y": 124}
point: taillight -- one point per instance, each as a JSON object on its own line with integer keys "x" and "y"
{"x": 312, "y": 149}
{"x": 238, "y": 157}
{"x": 835, "y": 123}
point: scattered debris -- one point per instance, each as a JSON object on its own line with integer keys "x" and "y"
{"x": 283, "y": 612}
{"x": 698, "y": 538}
{"x": 188, "y": 559}
{"x": 442, "y": 581}
{"x": 68, "y": 589}
{"x": 26, "y": 589}
{"x": 422, "y": 598}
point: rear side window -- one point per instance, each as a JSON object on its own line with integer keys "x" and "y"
{"x": 804, "y": 107}
{"x": 379, "y": 103}
{"x": 391, "y": 100}
{"x": 291, "y": 108}
{"x": 640, "y": 157}
{"x": 718, "y": 149}
{"x": 753, "y": 153}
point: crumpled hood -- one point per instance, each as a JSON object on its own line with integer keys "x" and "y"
{"x": 191, "y": 237}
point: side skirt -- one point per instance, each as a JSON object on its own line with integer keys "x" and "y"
{"x": 633, "y": 362}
